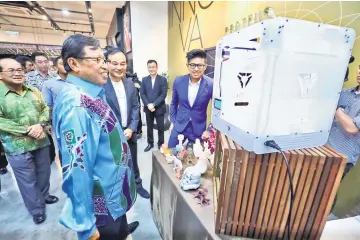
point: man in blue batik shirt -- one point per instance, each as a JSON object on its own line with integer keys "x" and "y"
{"x": 96, "y": 161}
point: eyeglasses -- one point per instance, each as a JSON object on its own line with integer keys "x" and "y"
{"x": 13, "y": 71}
{"x": 194, "y": 66}
{"x": 98, "y": 60}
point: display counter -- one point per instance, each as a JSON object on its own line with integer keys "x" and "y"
{"x": 175, "y": 211}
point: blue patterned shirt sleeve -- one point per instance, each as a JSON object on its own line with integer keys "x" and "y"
{"x": 78, "y": 141}
{"x": 47, "y": 95}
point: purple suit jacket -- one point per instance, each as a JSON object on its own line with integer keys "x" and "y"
{"x": 180, "y": 110}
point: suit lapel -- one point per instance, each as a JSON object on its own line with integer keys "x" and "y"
{"x": 186, "y": 89}
{"x": 202, "y": 87}
{"x": 127, "y": 87}
{"x": 111, "y": 95}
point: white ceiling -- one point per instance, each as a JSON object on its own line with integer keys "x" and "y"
{"x": 102, "y": 13}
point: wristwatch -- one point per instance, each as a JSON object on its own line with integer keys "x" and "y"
{"x": 44, "y": 124}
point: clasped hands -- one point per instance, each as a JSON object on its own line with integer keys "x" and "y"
{"x": 36, "y": 131}
{"x": 151, "y": 107}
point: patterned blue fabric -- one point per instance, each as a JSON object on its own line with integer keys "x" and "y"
{"x": 347, "y": 144}
{"x": 96, "y": 160}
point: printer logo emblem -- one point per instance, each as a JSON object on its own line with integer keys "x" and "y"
{"x": 244, "y": 79}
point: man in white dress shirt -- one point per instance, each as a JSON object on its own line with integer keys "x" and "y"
{"x": 191, "y": 95}
{"x": 121, "y": 95}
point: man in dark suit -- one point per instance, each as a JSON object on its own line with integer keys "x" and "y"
{"x": 121, "y": 96}
{"x": 190, "y": 98}
{"x": 153, "y": 92}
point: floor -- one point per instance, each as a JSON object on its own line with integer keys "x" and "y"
{"x": 16, "y": 223}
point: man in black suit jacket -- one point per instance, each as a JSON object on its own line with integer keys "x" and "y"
{"x": 153, "y": 92}
{"x": 121, "y": 95}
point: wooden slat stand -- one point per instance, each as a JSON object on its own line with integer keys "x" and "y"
{"x": 252, "y": 192}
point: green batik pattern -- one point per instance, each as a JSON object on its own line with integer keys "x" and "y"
{"x": 116, "y": 146}
{"x": 17, "y": 113}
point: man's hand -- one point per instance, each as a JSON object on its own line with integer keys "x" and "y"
{"x": 151, "y": 107}
{"x": 96, "y": 236}
{"x": 205, "y": 135}
{"x": 35, "y": 131}
{"x": 128, "y": 133}
{"x": 42, "y": 136}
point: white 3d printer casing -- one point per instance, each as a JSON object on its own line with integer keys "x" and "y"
{"x": 280, "y": 80}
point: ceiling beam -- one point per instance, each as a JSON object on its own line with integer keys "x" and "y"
{"x": 6, "y": 20}
{"x": 62, "y": 30}
{"x": 19, "y": 5}
{"x": 40, "y": 9}
{"x": 38, "y": 19}
{"x": 91, "y": 18}
{"x": 70, "y": 11}
{"x": 18, "y": 25}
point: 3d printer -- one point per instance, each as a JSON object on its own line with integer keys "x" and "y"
{"x": 280, "y": 80}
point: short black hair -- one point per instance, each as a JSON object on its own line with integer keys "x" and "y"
{"x": 4, "y": 58}
{"x": 56, "y": 60}
{"x": 36, "y": 54}
{"x": 113, "y": 51}
{"x": 73, "y": 47}
{"x": 196, "y": 53}
{"x": 152, "y": 61}
{"x": 22, "y": 60}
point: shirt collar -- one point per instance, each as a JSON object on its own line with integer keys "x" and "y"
{"x": 5, "y": 90}
{"x": 36, "y": 72}
{"x": 357, "y": 88}
{"x": 193, "y": 84}
{"x": 88, "y": 87}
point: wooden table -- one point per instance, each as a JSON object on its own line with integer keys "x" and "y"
{"x": 175, "y": 212}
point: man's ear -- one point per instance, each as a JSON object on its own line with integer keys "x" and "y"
{"x": 74, "y": 64}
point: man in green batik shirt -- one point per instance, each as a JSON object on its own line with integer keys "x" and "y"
{"x": 23, "y": 117}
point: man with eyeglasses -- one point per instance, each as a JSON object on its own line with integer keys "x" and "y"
{"x": 23, "y": 117}
{"x": 190, "y": 98}
{"x": 41, "y": 74}
{"x": 153, "y": 92}
{"x": 97, "y": 169}
{"x": 121, "y": 96}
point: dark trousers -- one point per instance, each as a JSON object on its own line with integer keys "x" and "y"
{"x": 32, "y": 173}
{"x": 3, "y": 160}
{"x": 139, "y": 127}
{"x": 150, "y": 116}
{"x": 114, "y": 230}
{"x": 133, "y": 151}
{"x": 52, "y": 150}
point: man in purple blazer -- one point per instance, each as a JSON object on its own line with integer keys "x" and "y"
{"x": 190, "y": 98}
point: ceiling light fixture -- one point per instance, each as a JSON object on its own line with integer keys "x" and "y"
{"x": 89, "y": 10}
{"x": 65, "y": 12}
{"x": 44, "y": 17}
